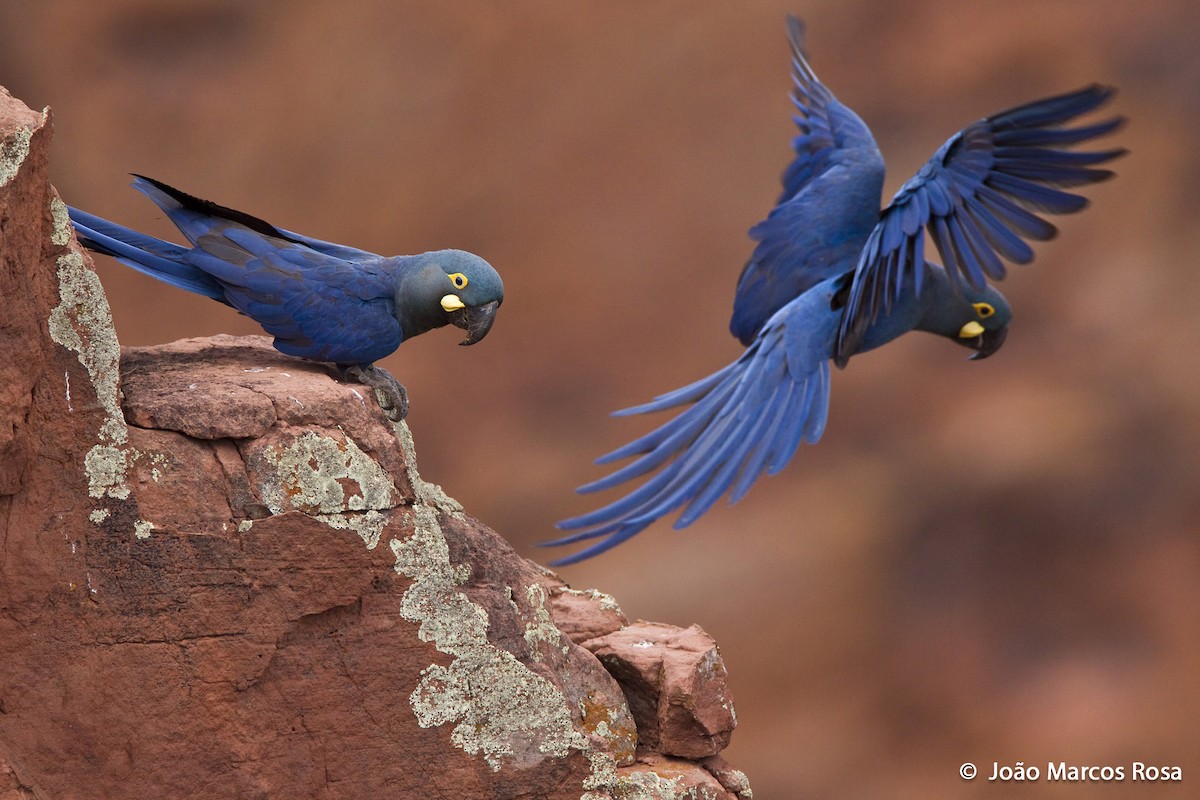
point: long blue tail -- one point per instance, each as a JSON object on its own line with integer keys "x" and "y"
{"x": 742, "y": 421}
{"x": 155, "y": 257}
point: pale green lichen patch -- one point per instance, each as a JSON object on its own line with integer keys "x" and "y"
{"x": 368, "y": 524}
{"x": 158, "y": 462}
{"x": 542, "y": 629}
{"x": 605, "y": 601}
{"x": 331, "y": 480}
{"x": 61, "y": 233}
{"x": 643, "y": 784}
{"x": 106, "y": 467}
{"x": 607, "y": 783}
{"x": 82, "y": 323}
{"x": 603, "y": 778}
{"x": 320, "y": 475}
{"x": 501, "y": 709}
{"x": 13, "y": 151}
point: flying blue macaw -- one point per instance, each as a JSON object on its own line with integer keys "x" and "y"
{"x": 321, "y": 301}
{"x": 833, "y": 276}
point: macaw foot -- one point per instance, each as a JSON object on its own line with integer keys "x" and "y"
{"x": 392, "y": 396}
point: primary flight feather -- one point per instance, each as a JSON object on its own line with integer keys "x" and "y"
{"x": 832, "y": 276}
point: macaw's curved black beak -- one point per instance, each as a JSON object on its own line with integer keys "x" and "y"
{"x": 987, "y": 343}
{"x": 475, "y": 320}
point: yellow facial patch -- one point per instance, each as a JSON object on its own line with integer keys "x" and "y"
{"x": 970, "y": 330}
{"x": 984, "y": 310}
{"x": 458, "y": 279}
{"x": 453, "y": 302}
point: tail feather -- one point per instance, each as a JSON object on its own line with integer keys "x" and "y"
{"x": 749, "y": 417}
{"x": 154, "y": 257}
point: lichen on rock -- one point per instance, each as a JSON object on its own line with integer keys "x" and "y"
{"x": 330, "y": 479}
{"x": 82, "y": 323}
{"x": 502, "y": 708}
{"x": 13, "y": 151}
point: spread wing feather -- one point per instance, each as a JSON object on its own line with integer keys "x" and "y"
{"x": 979, "y": 200}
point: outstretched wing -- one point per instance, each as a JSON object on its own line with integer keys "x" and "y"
{"x": 977, "y": 198}
{"x": 739, "y": 422}
{"x": 829, "y": 202}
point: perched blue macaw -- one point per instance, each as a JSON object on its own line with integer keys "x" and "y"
{"x": 833, "y": 276}
{"x": 321, "y": 301}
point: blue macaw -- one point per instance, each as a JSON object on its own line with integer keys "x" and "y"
{"x": 321, "y": 301}
{"x": 833, "y": 276}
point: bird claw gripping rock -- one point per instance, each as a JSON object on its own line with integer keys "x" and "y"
{"x": 389, "y": 392}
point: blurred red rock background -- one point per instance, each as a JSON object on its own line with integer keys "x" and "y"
{"x": 980, "y": 562}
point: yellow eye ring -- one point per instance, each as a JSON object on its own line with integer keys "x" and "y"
{"x": 458, "y": 279}
{"x": 984, "y": 310}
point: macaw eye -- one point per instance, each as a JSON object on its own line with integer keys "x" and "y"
{"x": 458, "y": 279}
{"x": 984, "y": 310}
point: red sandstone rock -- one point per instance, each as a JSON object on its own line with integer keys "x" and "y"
{"x": 732, "y": 780}
{"x": 28, "y": 293}
{"x": 584, "y": 614}
{"x": 10, "y": 785}
{"x": 675, "y": 682}
{"x": 224, "y": 577}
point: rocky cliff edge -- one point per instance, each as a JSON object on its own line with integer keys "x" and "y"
{"x": 222, "y": 576}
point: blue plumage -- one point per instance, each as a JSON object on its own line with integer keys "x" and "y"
{"x": 321, "y": 301}
{"x": 833, "y": 276}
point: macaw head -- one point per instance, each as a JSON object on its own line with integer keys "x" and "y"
{"x": 449, "y": 287}
{"x": 977, "y": 319}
